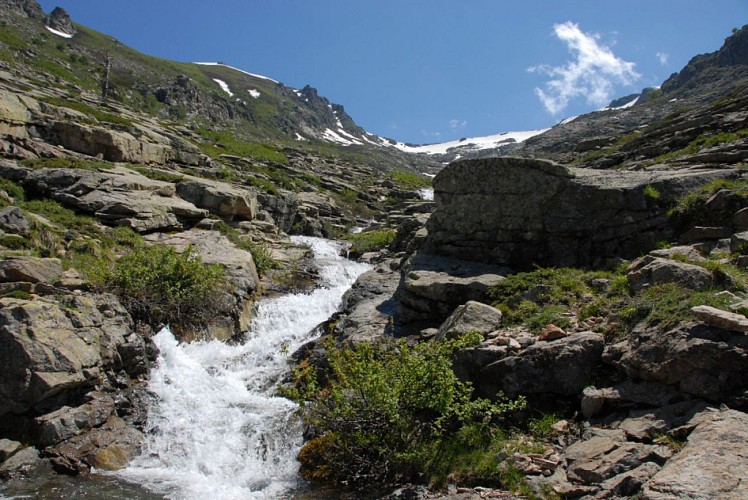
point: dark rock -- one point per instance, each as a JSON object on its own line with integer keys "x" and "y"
{"x": 67, "y": 422}
{"x": 22, "y": 464}
{"x": 563, "y": 367}
{"x": 521, "y": 212}
{"x": 59, "y": 20}
{"x": 109, "y": 447}
{"x": 696, "y": 359}
{"x": 432, "y": 286}
{"x": 13, "y": 220}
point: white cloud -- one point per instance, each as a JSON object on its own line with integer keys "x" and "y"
{"x": 592, "y": 73}
{"x": 662, "y": 57}
{"x": 456, "y": 124}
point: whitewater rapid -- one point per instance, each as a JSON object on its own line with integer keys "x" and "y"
{"x": 216, "y": 429}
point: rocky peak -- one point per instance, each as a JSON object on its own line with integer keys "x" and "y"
{"x": 60, "y": 20}
{"x": 734, "y": 52}
{"x": 26, "y": 8}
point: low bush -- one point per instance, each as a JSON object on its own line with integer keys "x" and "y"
{"x": 159, "y": 286}
{"x": 392, "y": 412}
{"x": 368, "y": 241}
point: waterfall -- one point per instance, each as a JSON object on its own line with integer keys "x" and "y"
{"x": 216, "y": 428}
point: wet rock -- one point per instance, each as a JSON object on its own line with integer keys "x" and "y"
{"x": 369, "y": 307}
{"x": 23, "y": 464}
{"x": 109, "y": 447}
{"x": 470, "y": 317}
{"x": 713, "y": 464}
{"x": 67, "y": 422}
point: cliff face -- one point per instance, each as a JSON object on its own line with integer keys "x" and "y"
{"x": 521, "y": 213}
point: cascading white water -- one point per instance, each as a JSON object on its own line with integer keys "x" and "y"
{"x": 216, "y": 429}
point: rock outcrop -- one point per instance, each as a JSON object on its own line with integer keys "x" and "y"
{"x": 519, "y": 212}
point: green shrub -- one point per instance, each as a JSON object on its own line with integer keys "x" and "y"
{"x": 389, "y": 412}
{"x": 156, "y": 175}
{"x": 66, "y": 163}
{"x": 261, "y": 255}
{"x": 13, "y": 190}
{"x": 368, "y": 241}
{"x": 409, "y": 180}
{"x": 159, "y": 286}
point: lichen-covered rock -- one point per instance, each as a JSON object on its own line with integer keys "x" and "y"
{"x": 470, "y": 317}
{"x": 51, "y": 347}
{"x": 649, "y": 271}
{"x": 30, "y": 270}
{"x": 713, "y": 464}
{"x": 695, "y": 359}
{"x": 524, "y": 212}
{"x": 219, "y": 198}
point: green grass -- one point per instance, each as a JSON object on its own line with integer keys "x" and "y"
{"x": 224, "y": 142}
{"x": 67, "y": 162}
{"x": 261, "y": 255}
{"x": 369, "y": 241}
{"x": 156, "y": 175}
{"x": 99, "y": 114}
{"x": 410, "y": 180}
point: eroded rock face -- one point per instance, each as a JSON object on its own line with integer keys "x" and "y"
{"x": 48, "y": 349}
{"x": 524, "y": 212}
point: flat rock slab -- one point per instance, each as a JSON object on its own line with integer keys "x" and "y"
{"x": 433, "y": 286}
{"x": 713, "y": 464}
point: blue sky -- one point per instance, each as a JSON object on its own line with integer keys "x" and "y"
{"x": 425, "y": 71}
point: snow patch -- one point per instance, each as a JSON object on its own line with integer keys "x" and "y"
{"x": 254, "y": 93}
{"x": 568, "y": 120}
{"x": 332, "y": 136}
{"x": 473, "y": 143}
{"x": 59, "y": 33}
{"x": 224, "y": 86}
{"x": 300, "y": 137}
{"x": 235, "y": 69}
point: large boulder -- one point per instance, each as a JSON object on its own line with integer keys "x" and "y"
{"x": 30, "y": 269}
{"x": 524, "y": 212}
{"x": 51, "y": 348}
{"x": 563, "y": 367}
{"x": 368, "y": 306}
{"x": 116, "y": 196}
{"x": 713, "y": 464}
{"x": 470, "y": 317}
{"x": 649, "y": 271}
{"x": 696, "y": 359}
{"x": 432, "y": 287}
{"x": 219, "y": 198}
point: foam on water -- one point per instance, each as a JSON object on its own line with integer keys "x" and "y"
{"x": 216, "y": 428}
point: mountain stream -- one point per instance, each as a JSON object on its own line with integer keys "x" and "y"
{"x": 217, "y": 429}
